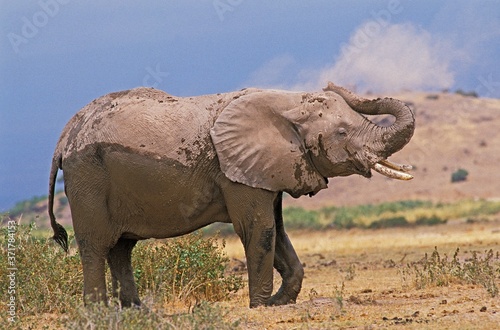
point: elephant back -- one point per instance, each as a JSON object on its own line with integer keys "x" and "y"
{"x": 147, "y": 121}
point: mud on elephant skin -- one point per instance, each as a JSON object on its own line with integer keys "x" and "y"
{"x": 144, "y": 164}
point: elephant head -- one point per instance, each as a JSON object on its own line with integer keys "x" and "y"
{"x": 293, "y": 142}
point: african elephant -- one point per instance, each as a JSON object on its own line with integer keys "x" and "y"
{"x": 144, "y": 164}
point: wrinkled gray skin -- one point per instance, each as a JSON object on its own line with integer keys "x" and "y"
{"x": 143, "y": 164}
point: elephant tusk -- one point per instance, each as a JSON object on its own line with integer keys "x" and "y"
{"x": 395, "y": 166}
{"x": 393, "y": 171}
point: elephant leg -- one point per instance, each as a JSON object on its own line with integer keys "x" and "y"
{"x": 286, "y": 262}
{"x": 93, "y": 262}
{"x": 94, "y": 232}
{"x": 251, "y": 212}
{"x": 119, "y": 260}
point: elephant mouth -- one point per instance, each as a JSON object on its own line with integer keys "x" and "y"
{"x": 382, "y": 166}
{"x": 393, "y": 170}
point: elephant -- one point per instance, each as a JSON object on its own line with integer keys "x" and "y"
{"x": 141, "y": 163}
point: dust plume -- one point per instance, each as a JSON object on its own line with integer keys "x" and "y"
{"x": 391, "y": 58}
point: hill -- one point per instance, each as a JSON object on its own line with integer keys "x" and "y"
{"x": 453, "y": 132}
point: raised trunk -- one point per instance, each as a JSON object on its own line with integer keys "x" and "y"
{"x": 393, "y": 137}
{"x": 388, "y": 140}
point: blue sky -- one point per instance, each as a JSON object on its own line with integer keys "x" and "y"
{"x": 58, "y": 55}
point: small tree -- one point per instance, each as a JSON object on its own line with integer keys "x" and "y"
{"x": 459, "y": 175}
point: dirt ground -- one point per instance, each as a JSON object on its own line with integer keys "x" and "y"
{"x": 353, "y": 280}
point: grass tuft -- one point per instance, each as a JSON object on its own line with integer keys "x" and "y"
{"x": 98, "y": 316}
{"x": 436, "y": 270}
{"x": 188, "y": 269}
{"x": 47, "y": 279}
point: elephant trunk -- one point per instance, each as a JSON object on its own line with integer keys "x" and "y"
{"x": 385, "y": 140}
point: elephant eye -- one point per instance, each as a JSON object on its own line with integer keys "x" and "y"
{"x": 342, "y": 131}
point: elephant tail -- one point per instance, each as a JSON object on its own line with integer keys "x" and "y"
{"x": 60, "y": 234}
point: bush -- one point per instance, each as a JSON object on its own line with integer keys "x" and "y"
{"x": 187, "y": 269}
{"x": 355, "y": 216}
{"x": 459, "y": 175}
{"x": 466, "y": 94}
{"x": 389, "y": 223}
{"x": 430, "y": 221}
{"x": 344, "y": 219}
{"x": 299, "y": 218}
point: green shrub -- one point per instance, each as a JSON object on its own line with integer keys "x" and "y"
{"x": 459, "y": 175}
{"x": 430, "y": 221}
{"x": 389, "y": 223}
{"x": 299, "y": 218}
{"x": 350, "y": 217}
{"x": 344, "y": 219}
{"x": 483, "y": 207}
{"x": 189, "y": 268}
{"x": 466, "y": 93}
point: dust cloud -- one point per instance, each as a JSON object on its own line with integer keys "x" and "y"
{"x": 389, "y": 58}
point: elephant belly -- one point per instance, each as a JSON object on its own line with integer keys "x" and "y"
{"x": 152, "y": 198}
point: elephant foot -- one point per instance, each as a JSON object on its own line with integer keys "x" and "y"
{"x": 257, "y": 303}
{"x": 282, "y": 298}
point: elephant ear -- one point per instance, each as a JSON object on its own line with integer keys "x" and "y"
{"x": 258, "y": 146}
